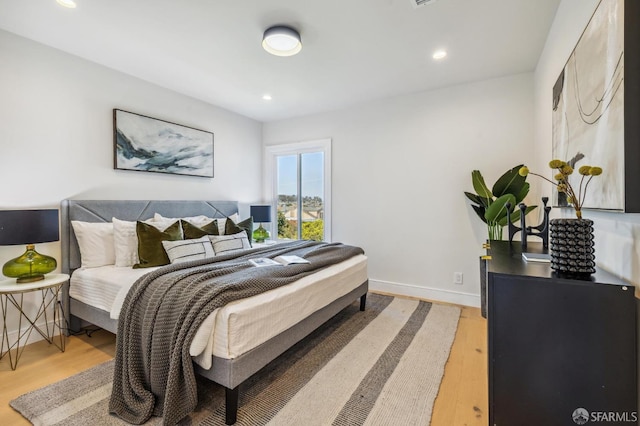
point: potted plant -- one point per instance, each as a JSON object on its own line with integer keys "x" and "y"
{"x": 490, "y": 204}
{"x": 572, "y": 239}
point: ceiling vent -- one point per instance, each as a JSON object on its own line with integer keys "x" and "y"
{"x": 420, "y": 3}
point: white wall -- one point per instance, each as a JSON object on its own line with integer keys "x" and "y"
{"x": 56, "y": 134}
{"x": 400, "y": 167}
{"x": 617, "y": 234}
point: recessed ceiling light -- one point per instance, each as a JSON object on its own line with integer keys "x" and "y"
{"x": 417, "y": 3}
{"x": 439, "y": 54}
{"x": 282, "y": 41}
{"x": 67, "y": 3}
{"x": 267, "y": 97}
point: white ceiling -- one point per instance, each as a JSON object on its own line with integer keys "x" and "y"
{"x": 354, "y": 50}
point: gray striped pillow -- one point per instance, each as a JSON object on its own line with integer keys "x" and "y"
{"x": 229, "y": 243}
{"x": 185, "y": 250}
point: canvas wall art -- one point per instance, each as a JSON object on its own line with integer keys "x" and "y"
{"x": 588, "y": 107}
{"x": 147, "y": 144}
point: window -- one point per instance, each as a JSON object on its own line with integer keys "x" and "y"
{"x": 299, "y": 183}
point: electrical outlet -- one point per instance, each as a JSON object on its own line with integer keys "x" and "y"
{"x": 457, "y": 277}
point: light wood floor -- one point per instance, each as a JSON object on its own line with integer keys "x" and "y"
{"x": 462, "y": 400}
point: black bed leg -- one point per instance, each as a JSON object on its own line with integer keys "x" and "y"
{"x": 363, "y": 301}
{"x": 231, "y": 405}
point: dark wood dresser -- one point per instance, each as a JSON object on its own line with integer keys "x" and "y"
{"x": 557, "y": 345}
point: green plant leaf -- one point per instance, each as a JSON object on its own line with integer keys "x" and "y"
{"x": 523, "y": 193}
{"x": 478, "y": 200}
{"x": 479, "y": 186}
{"x": 473, "y": 197}
{"x": 497, "y": 209}
{"x": 509, "y": 183}
{"x": 480, "y": 212}
{"x": 515, "y": 215}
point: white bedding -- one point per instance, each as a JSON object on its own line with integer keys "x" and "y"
{"x": 241, "y": 325}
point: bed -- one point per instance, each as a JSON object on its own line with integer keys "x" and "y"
{"x": 232, "y": 354}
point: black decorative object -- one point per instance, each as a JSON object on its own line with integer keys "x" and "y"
{"x": 572, "y": 250}
{"x": 541, "y": 230}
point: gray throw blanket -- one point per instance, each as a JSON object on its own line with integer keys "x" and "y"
{"x": 154, "y": 372}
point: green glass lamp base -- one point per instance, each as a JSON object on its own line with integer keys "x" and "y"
{"x": 260, "y": 234}
{"x": 29, "y": 267}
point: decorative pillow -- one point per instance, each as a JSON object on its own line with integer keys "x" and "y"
{"x": 186, "y": 250}
{"x": 201, "y": 220}
{"x": 234, "y": 228}
{"x": 125, "y": 240}
{"x": 95, "y": 241}
{"x": 222, "y": 222}
{"x": 150, "y": 249}
{"x": 225, "y": 244}
{"x": 192, "y": 231}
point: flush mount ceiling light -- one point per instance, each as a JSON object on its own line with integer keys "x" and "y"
{"x": 439, "y": 54}
{"x": 67, "y": 3}
{"x": 282, "y": 41}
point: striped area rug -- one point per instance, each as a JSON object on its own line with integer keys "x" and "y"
{"x": 378, "y": 367}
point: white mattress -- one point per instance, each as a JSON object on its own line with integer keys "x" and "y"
{"x": 241, "y": 325}
{"x": 101, "y": 287}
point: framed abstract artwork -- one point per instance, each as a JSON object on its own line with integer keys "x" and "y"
{"x": 596, "y": 107}
{"x": 147, "y": 144}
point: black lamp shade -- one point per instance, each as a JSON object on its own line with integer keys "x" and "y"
{"x": 261, "y": 214}
{"x": 28, "y": 226}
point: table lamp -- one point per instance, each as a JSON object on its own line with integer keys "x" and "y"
{"x": 261, "y": 214}
{"x": 29, "y": 227}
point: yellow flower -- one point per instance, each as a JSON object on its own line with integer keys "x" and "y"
{"x": 567, "y": 169}
{"x": 556, "y": 164}
{"x": 524, "y": 171}
{"x": 585, "y": 170}
{"x": 559, "y": 176}
{"x": 595, "y": 171}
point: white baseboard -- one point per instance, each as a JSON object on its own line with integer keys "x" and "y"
{"x": 33, "y": 337}
{"x": 435, "y": 294}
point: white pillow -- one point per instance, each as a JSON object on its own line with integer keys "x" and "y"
{"x": 198, "y": 221}
{"x": 95, "y": 241}
{"x": 186, "y": 250}
{"x": 225, "y": 244}
{"x": 125, "y": 242}
{"x": 125, "y": 239}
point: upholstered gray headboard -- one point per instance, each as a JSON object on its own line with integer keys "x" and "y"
{"x": 105, "y": 210}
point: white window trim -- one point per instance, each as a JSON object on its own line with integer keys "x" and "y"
{"x": 271, "y": 152}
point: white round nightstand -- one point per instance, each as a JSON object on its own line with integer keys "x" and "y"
{"x": 267, "y": 243}
{"x": 12, "y": 293}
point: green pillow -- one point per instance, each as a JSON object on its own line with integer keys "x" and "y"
{"x": 231, "y": 228}
{"x": 191, "y": 231}
{"x": 150, "y": 249}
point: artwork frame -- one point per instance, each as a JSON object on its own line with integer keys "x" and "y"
{"x": 142, "y": 143}
{"x": 596, "y": 108}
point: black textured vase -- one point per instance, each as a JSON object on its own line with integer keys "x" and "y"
{"x": 572, "y": 249}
